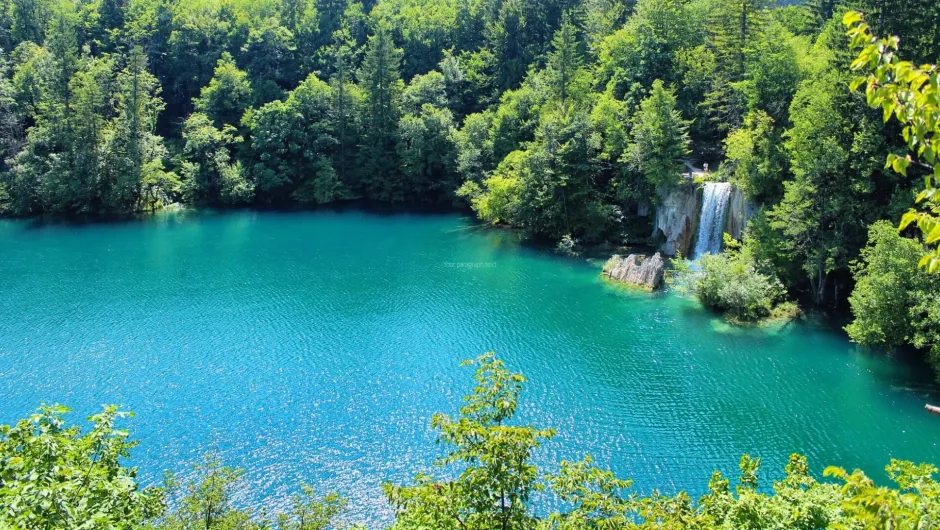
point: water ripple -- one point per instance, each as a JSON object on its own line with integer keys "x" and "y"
{"x": 314, "y": 347}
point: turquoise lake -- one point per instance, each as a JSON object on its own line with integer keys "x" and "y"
{"x": 315, "y": 346}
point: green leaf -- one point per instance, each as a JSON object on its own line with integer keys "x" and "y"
{"x": 851, "y": 18}
{"x": 934, "y": 235}
{"x": 907, "y": 219}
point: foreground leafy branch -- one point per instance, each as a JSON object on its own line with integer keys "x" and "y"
{"x": 911, "y": 94}
{"x": 52, "y": 476}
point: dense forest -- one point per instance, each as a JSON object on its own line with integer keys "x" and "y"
{"x": 566, "y": 119}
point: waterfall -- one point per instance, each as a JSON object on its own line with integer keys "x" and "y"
{"x": 711, "y": 222}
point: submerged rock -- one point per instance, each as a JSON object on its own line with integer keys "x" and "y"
{"x": 636, "y": 269}
{"x": 676, "y": 220}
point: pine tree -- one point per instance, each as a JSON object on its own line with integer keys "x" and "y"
{"x": 823, "y": 10}
{"x": 734, "y": 26}
{"x": 659, "y": 140}
{"x": 134, "y": 153}
{"x": 30, "y": 20}
{"x": 343, "y": 101}
{"x": 565, "y": 59}
{"x": 915, "y": 22}
{"x": 381, "y": 85}
{"x": 92, "y": 90}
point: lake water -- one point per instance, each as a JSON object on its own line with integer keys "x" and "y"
{"x": 315, "y": 347}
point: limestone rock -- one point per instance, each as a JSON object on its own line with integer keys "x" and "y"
{"x": 677, "y": 218}
{"x": 740, "y": 210}
{"x": 636, "y": 269}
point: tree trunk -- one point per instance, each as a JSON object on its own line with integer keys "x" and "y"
{"x": 818, "y": 283}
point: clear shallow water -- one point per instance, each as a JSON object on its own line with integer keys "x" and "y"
{"x": 315, "y": 347}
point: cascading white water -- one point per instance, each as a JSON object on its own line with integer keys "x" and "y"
{"x": 711, "y": 221}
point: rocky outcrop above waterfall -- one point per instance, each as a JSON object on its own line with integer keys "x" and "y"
{"x": 676, "y": 219}
{"x": 740, "y": 210}
{"x": 636, "y": 269}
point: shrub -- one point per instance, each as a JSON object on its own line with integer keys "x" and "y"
{"x": 732, "y": 283}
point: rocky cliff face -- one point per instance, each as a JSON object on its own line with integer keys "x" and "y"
{"x": 635, "y": 269}
{"x": 676, "y": 219}
{"x": 740, "y": 210}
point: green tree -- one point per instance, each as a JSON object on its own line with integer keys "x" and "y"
{"x": 516, "y": 119}
{"x": 55, "y": 476}
{"x": 911, "y": 505}
{"x": 198, "y": 35}
{"x": 659, "y": 140}
{"x": 474, "y": 157}
{"x": 208, "y": 174}
{"x": 646, "y": 47}
{"x": 60, "y": 167}
{"x": 426, "y": 153}
{"x": 12, "y": 118}
{"x": 423, "y": 89}
{"x": 294, "y": 142}
{"x": 513, "y": 37}
{"x": 31, "y": 18}
{"x": 206, "y": 501}
{"x": 732, "y": 282}
{"x": 134, "y": 154}
{"x": 498, "y": 202}
{"x": 893, "y": 302}
{"x": 564, "y": 63}
{"x": 381, "y": 86}
{"x": 346, "y": 101}
{"x": 496, "y": 478}
{"x": 735, "y": 29}
{"x": 310, "y": 512}
{"x": 735, "y": 26}
{"x": 11, "y": 136}
{"x": 755, "y": 161}
{"x": 600, "y": 18}
{"x": 821, "y": 217}
{"x": 269, "y": 54}
{"x": 227, "y": 95}
{"x": 560, "y": 197}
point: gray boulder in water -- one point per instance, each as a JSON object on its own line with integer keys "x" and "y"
{"x": 636, "y": 269}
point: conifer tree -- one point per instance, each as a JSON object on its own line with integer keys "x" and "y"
{"x": 659, "y": 140}
{"x": 135, "y": 154}
{"x": 565, "y": 59}
{"x": 344, "y": 102}
{"x": 381, "y": 85}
